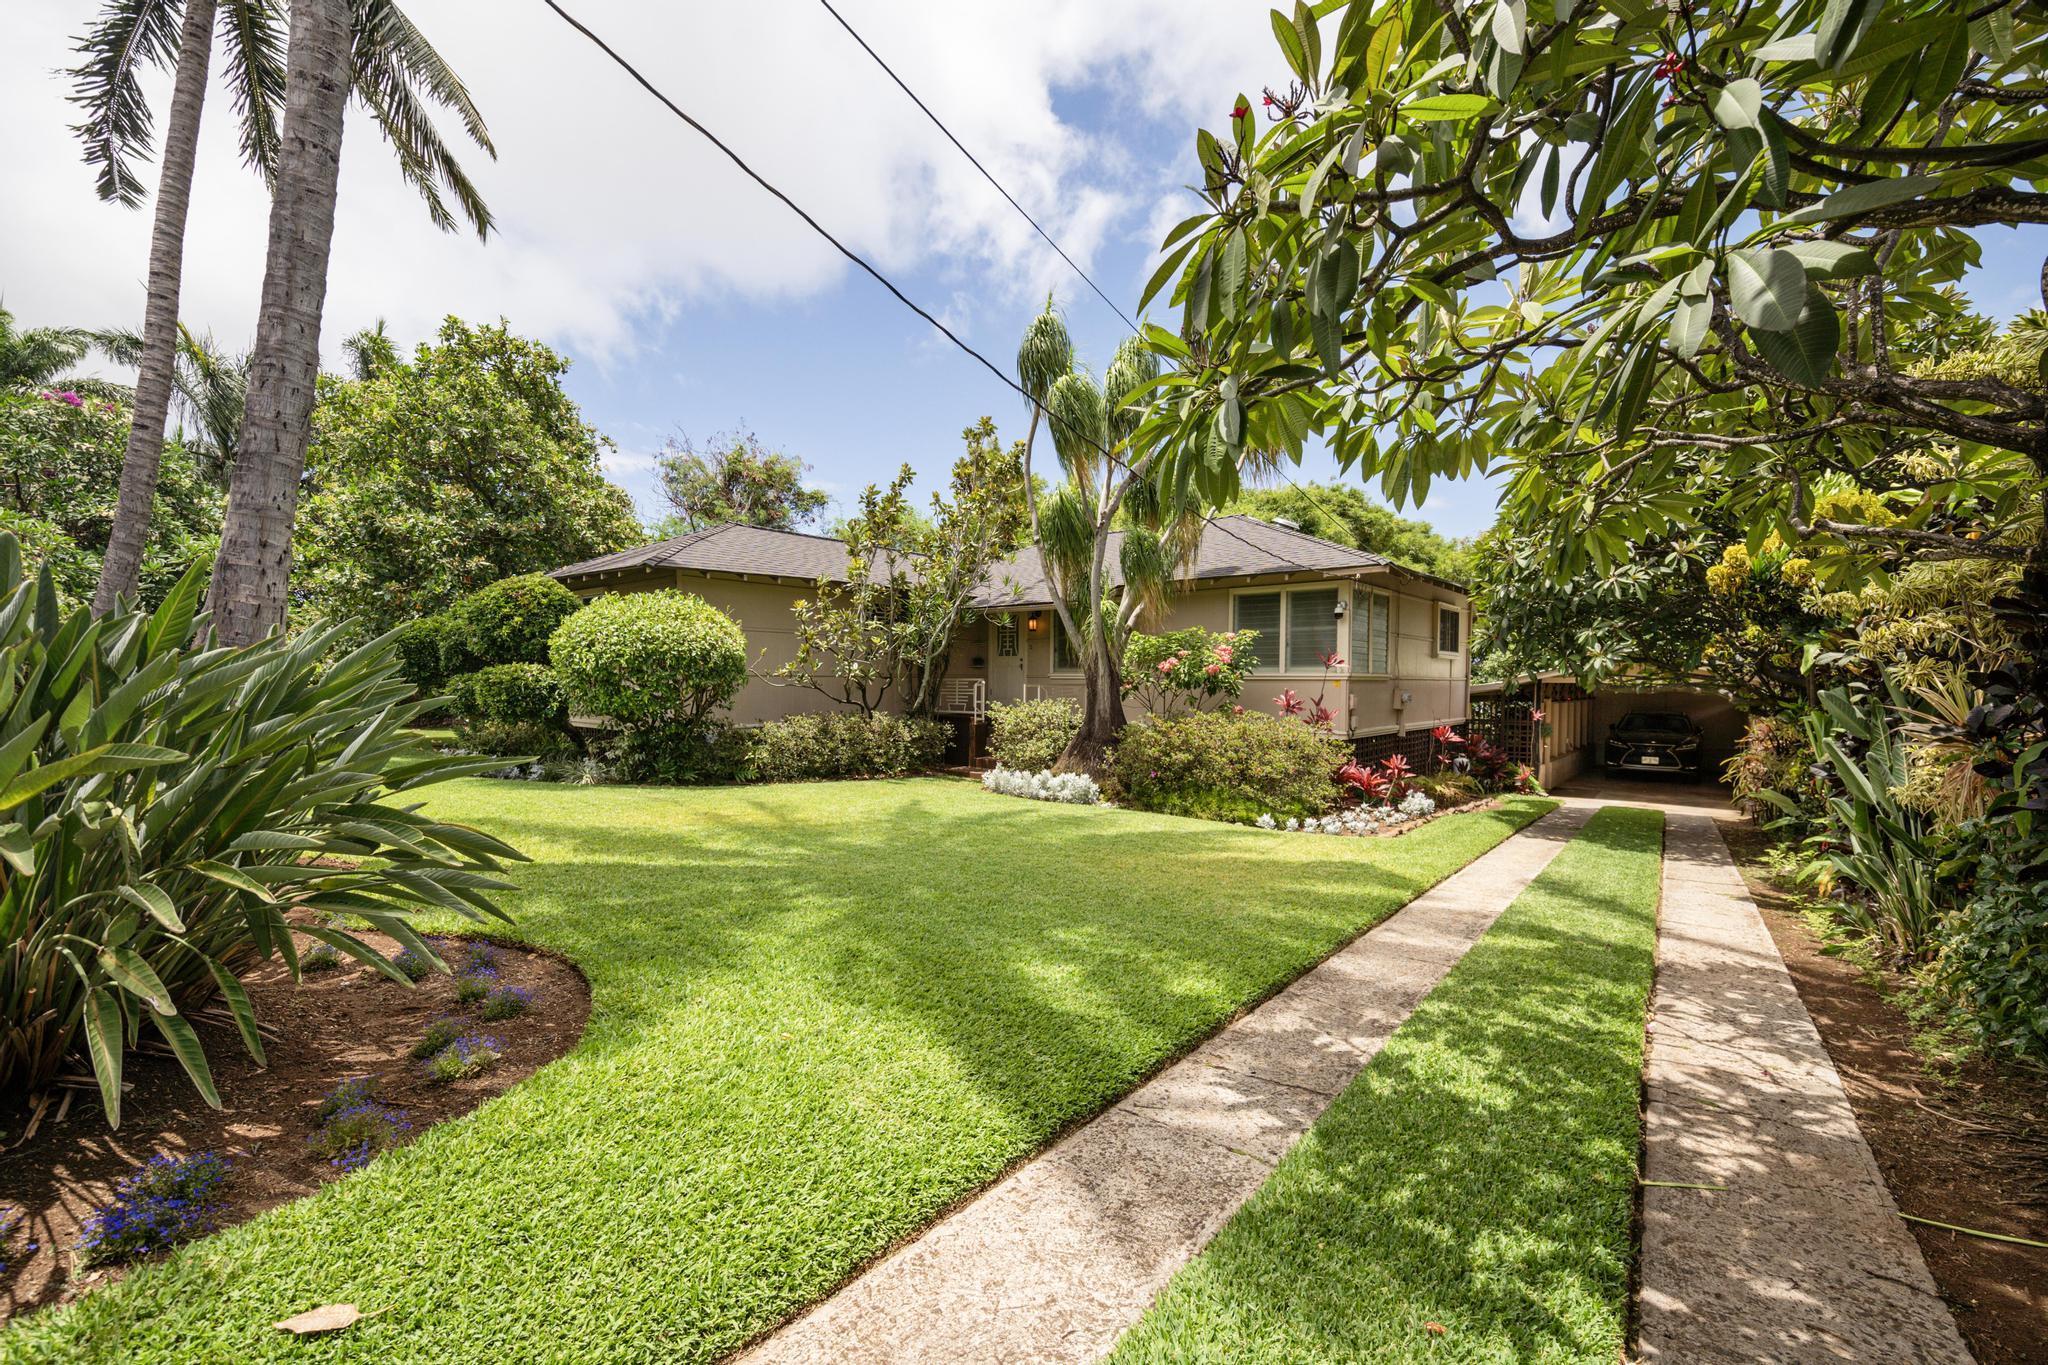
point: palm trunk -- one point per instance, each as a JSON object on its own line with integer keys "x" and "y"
{"x": 121, "y": 570}
{"x": 251, "y": 576}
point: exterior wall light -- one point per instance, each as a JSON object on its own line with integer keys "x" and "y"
{"x": 1031, "y": 623}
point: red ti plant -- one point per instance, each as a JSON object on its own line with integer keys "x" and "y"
{"x": 1398, "y": 772}
{"x": 1370, "y": 784}
{"x": 1312, "y": 711}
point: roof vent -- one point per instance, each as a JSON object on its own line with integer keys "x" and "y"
{"x": 1290, "y": 525}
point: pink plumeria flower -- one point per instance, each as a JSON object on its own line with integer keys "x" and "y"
{"x": 1166, "y": 665}
{"x": 1224, "y": 653}
{"x": 1213, "y": 669}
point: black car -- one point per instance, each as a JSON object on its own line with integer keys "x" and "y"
{"x": 1653, "y": 742}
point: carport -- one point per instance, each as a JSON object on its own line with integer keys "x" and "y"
{"x": 1569, "y": 740}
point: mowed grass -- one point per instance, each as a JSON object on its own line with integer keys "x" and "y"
{"x": 822, "y": 1014}
{"x": 1479, "y": 1176}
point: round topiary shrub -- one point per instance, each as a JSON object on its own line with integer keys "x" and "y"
{"x": 511, "y": 694}
{"x": 423, "y": 646}
{"x": 1220, "y": 766}
{"x": 512, "y": 620}
{"x": 649, "y": 658}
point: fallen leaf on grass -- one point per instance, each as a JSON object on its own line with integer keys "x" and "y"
{"x": 330, "y": 1317}
{"x": 1435, "y": 1329}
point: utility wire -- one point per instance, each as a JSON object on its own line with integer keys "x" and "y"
{"x": 985, "y": 173}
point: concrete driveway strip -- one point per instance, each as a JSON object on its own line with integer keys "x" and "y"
{"x": 1802, "y": 1256}
{"x": 1056, "y": 1260}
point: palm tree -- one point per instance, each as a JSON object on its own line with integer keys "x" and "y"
{"x": 1110, "y": 492}
{"x": 34, "y": 357}
{"x": 337, "y": 47}
{"x": 209, "y": 385}
{"x": 131, "y": 36}
{"x": 387, "y": 65}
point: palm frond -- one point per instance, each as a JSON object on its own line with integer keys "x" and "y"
{"x": 37, "y": 355}
{"x": 393, "y": 67}
{"x": 131, "y": 36}
{"x": 254, "y": 31}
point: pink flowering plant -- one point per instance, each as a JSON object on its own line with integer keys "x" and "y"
{"x": 1313, "y": 712}
{"x": 1187, "y": 670}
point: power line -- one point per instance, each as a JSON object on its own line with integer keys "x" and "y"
{"x": 986, "y": 175}
{"x": 573, "y": 22}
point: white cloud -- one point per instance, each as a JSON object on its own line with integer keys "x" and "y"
{"x": 615, "y": 218}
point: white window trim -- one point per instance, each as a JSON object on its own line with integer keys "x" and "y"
{"x": 1437, "y": 641}
{"x": 1344, "y": 636}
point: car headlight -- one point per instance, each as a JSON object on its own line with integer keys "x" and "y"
{"x": 1692, "y": 743}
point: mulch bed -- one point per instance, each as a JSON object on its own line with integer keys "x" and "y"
{"x": 335, "y": 1025}
{"x": 1968, "y": 1146}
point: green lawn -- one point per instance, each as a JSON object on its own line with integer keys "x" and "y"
{"x": 822, "y": 1015}
{"x": 1479, "y": 1174}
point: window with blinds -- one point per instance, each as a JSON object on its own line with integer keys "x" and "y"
{"x": 1260, "y": 611}
{"x": 1449, "y": 622}
{"x": 1378, "y": 630}
{"x": 1311, "y": 629}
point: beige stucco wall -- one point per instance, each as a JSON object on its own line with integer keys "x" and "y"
{"x": 1421, "y": 689}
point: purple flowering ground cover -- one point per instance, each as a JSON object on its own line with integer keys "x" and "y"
{"x": 822, "y": 1015}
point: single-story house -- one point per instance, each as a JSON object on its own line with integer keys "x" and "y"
{"x": 1403, "y": 636}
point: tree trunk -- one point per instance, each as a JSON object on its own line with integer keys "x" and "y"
{"x": 251, "y": 576}
{"x": 121, "y": 570}
{"x": 1102, "y": 721}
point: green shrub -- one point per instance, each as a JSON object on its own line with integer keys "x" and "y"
{"x": 1993, "y": 953}
{"x": 683, "y": 754}
{"x": 1030, "y": 736}
{"x": 649, "y": 658}
{"x": 512, "y": 620}
{"x": 1447, "y": 789}
{"x": 844, "y": 746}
{"x": 164, "y": 806}
{"x": 1224, "y": 766}
{"x": 514, "y": 694}
{"x": 520, "y": 739}
{"x": 1187, "y": 670}
{"x": 1770, "y": 778}
{"x": 424, "y": 648}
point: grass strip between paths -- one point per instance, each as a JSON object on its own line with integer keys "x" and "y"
{"x": 821, "y": 1015}
{"x": 1470, "y": 1197}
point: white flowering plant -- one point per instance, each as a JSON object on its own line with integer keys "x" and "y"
{"x": 1074, "y": 789}
{"x": 1357, "y": 819}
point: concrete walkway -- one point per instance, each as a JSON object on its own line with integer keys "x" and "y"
{"x": 1055, "y": 1261}
{"x": 1802, "y": 1257}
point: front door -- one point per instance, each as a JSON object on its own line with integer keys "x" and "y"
{"x": 1006, "y": 659}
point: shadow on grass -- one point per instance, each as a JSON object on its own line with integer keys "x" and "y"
{"x": 1479, "y": 1175}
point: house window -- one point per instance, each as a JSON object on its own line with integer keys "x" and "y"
{"x": 1260, "y": 611}
{"x": 1006, "y": 638}
{"x": 1296, "y": 628}
{"x": 1311, "y": 629}
{"x": 1065, "y": 658}
{"x": 1379, "y": 613}
{"x": 1449, "y": 622}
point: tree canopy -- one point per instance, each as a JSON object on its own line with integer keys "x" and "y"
{"x": 1656, "y": 260}
{"x": 734, "y": 478}
{"x": 1342, "y": 512}
{"x": 434, "y": 476}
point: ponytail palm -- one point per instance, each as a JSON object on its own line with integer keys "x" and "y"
{"x": 1109, "y": 487}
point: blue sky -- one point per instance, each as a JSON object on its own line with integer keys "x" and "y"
{"x": 688, "y": 300}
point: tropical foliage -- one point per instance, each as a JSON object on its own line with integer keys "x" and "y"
{"x": 1341, "y": 512}
{"x": 909, "y": 580}
{"x": 1221, "y": 766}
{"x": 431, "y": 478}
{"x": 1030, "y": 736}
{"x": 735, "y": 478}
{"x": 171, "y": 808}
{"x": 1187, "y": 670}
{"x": 801, "y": 748}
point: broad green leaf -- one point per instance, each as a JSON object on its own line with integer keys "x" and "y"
{"x": 1737, "y": 104}
{"x": 154, "y": 899}
{"x": 1767, "y": 287}
{"x": 238, "y": 1004}
{"x": 1380, "y": 50}
{"x": 1448, "y": 108}
{"x": 1806, "y": 353}
{"x": 1689, "y": 325}
{"x": 1864, "y": 198}
{"x": 185, "y": 1043}
{"x": 105, "y": 1040}
{"x": 107, "y": 758}
{"x": 128, "y": 971}
{"x": 1842, "y": 26}
{"x": 18, "y": 847}
{"x": 1826, "y": 260}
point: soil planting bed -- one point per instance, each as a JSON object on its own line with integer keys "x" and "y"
{"x": 1968, "y": 1146}
{"x": 347, "y": 1022}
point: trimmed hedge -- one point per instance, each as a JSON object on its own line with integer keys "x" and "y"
{"x": 824, "y": 746}
{"x": 1030, "y": 736}
{"x": 649, "y": 658}
{"x": 424, "y": 648}
{"x": 1220, "y": 766}
{"x": 512, "y": 620}
{"x": 511, "y": 694}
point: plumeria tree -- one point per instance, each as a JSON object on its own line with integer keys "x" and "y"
{"x": 1645, "y": 259}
